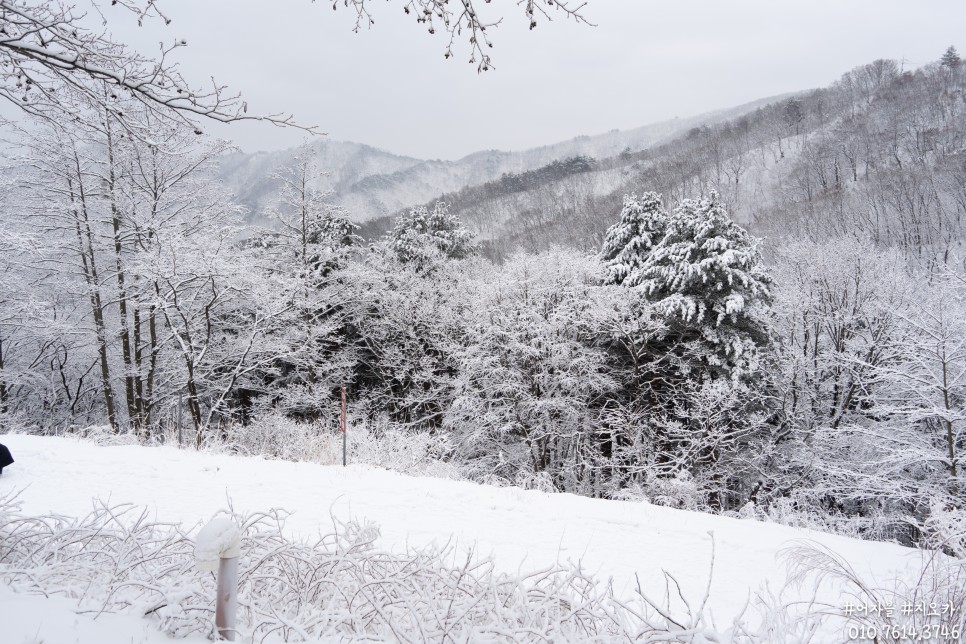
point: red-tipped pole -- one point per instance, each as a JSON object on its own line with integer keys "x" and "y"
{"x": 342, "y": 425}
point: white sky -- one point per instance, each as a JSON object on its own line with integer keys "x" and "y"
{"x": 645, "y": 61}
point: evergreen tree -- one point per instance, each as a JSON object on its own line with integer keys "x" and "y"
{"x": 950, "y": 58}
{"x": 707, "y": 279}
{"x": 423, "y": 235}
{"x": 629, "y": 242}
{"x": 313, "y": 242}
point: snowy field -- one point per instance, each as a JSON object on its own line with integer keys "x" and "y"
{"x": 521, "y": 530}
{"x": 28, "y": 619}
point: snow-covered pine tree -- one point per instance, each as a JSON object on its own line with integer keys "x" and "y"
{"x": 312, "y": 242}
{"x": 707, "y": 279}
{"x": 629, "y": 242}
{"x": 423, "y": 235}
{"x": 313, "y": 235}
{"x": 950, "y": 58}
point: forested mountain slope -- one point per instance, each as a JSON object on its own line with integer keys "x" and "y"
{"x": 371, "y": 183}
{"x": 879, "y": 153}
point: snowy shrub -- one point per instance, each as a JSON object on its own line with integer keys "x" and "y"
{"x": 679, "y": 491}
{"x": 946, "y": 529}
{"x": 104, "y": 435}
{"x": 339, "y": 588}
{"x": 634, "y": 492}
{"x": 540, "y": 481}
{"x": 930, "y": 610}
{"x": 343, "y": 587}
{"x": 12, "y": 422}
{"x": 801, "y": 510}
{"x": 379, "y": 443}
{"x": 277, "y": 436}
{"x": 384, "y": 444}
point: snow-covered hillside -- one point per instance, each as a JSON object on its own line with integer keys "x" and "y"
{"x": 371, "y": 182}
{"x": 522, "y": 530}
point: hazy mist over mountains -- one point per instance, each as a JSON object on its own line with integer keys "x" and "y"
{"x": 370, "y": 182}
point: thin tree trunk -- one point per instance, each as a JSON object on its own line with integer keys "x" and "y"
{"x": 85, "y": 241}
{"x": 3, "y": 383}
{"x": 133, "y": 406}
{"x": 950, "y": 437}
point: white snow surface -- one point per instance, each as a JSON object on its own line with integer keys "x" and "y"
{"x": 522, "y": 530}
{"x": 29, "y": 619}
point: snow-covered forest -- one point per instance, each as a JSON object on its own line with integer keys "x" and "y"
{"x": 761, "y": 317}
{"x": 816, "y": 378}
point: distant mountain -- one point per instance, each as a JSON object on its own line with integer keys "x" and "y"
{"x": 346, "y": 164}
{"x": 879, "y": 154}
{"x": 372, "y": 183}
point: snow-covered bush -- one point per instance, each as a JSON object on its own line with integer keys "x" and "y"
{"x": 344, "y": 587}
{"x": 278, "y": 436}
{"x": 104, "y": 435}
{"x": 932, "y": 609}
{"x": 341, "y": 587}
{"x": 540, "y": 481}
{"x": 945, "y": 529}
{"x": 383, "y": 444}
{"x": 424, "y": 237}
{"x": 530, "y": 376}
{"x": 678, "y": 491}
{"x": 378, "y": 442}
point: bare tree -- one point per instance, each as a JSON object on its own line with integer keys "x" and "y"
{"x": 49, "y": 60}
{"x": 49, "y": 56}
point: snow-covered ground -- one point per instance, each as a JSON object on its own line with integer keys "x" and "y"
{"x": 27, "y": 619}
{"x": 522, "y": 530}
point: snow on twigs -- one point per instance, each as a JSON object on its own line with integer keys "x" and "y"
{"x": 117, "y": 560}
{"x": 342, "y": 587}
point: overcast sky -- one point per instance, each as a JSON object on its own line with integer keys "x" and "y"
{"x": 644, "y": 61}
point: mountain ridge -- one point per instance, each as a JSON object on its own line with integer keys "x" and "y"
{"x": 371, "y": 182}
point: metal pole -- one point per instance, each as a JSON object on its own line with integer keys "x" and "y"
{"x": 180, "y": 435}
{"x": 343, "y": 426}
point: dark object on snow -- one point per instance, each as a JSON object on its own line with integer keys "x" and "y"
{"x": 5, "y": 457}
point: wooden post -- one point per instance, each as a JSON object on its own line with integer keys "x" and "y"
{"x": 344, "y": 428}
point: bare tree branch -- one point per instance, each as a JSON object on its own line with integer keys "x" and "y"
{"x": 461, "y": 19}
{"x": 50, "y": 62}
